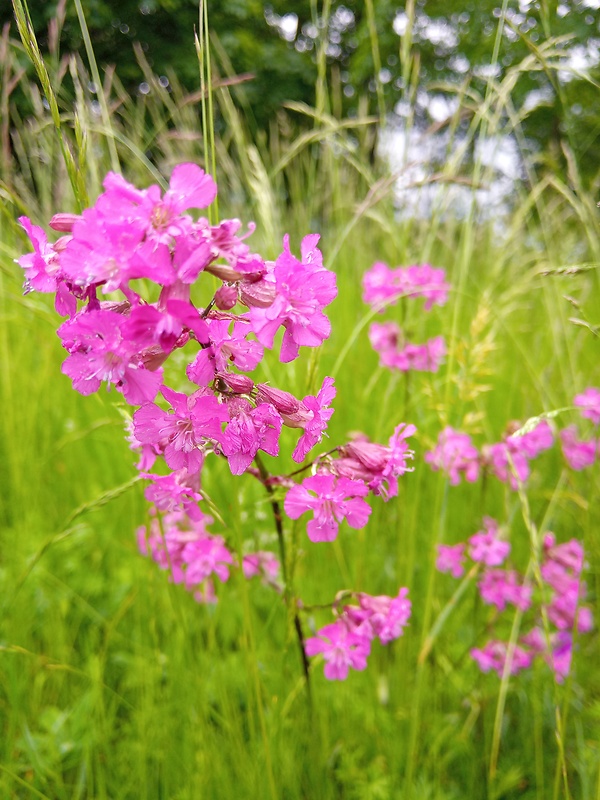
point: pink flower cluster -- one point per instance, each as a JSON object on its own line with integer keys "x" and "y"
{"x": 561, "y": 600}
{"x": 337, "y": 490}
{"x": 124, "y": 273}
{"x": 386, "y": 339}
{"x": 131, "y": 234}
{"x": 346, "y": 643}
{"x": 581, "y": 453}
{"x": 194, "y": 557}
{"x": 456, "y": 455}
{"x": 383, "y": 286}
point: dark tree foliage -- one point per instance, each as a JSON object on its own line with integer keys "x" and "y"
{"x": 277, "y": 43}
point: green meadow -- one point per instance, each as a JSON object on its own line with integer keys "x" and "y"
{"x": 114, "y": 683}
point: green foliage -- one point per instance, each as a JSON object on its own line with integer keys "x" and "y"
{"x": 115, "y": 684}
{"x": 446, "y": 44}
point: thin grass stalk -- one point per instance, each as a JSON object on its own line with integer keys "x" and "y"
{"x": 252, "y": 657}
{"x": 106, "y": 118}
{"x": 27, "y": 34}
{"x": 376, "y": 60}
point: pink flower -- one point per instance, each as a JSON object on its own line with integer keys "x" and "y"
{"x": 507, "y": 462}
{"x": 386, "y": 339}
{"x": 565, "y": 609}
{"x": 303, "y": 289}
{"x": 578, "y": 453}
{"x": 486, "y": 547}
{"x": 561, "y": 655}
{"x": 262, "y": 563}
{"x": 455, "y": 454}
{"x": 334, "y": 500}
{"x": 100, "y": 353}
{"x": 178, "y": 491}
{"x": 534, "y": 442}
{"x": 146, "y": 325}
{"x": 494, "y": 655}
{"x": 426, "y": 281}
{"x": 226, "y": 349}
{"x": 185, "y": 433}
{"x": 42, "y": 267}
{"x": 203, "y": 557}
{"x": 427, "y": 357}
{"x": 375, "y": 464}
{"x": 313, "y": 415}
{"x": 589, "y": 402}
{"x": 451, "y": 559}
{"x": 499, "y": 587}
{"x": 568, "y": 555}
{"x": 341, "y": 648}
{"x": 381, "y": 616}
{"x": 250, "y": 430}
{"x": 384, "y": 285}
{"x": 188, "y": 551}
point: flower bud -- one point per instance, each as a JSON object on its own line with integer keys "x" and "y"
{"x": 260, "y": 294}
{"x": 240, "y": 384}
{"x": 226, "y": 297}
{"x": 284, "y": 402}
{"x": 63, "y": 222}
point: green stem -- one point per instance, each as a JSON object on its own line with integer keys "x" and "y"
{"x": 288, "y": 593}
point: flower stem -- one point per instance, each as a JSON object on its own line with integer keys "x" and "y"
{"x": 264, "y": 477}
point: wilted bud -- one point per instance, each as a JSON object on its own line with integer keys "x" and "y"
{"x": 223, "y": 272}
{"x": 226, "y": 297}
{"x": 153, "y": 357}
{"x": 284, "y": 402}
{"x": 240, "y": 384}
{"x": 260, "y": 294}
{"x": 63, "y": 222}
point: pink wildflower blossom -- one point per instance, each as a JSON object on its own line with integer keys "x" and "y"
{"x": 342, "y": 648}
{"x": 379, "y": 466}
{"x": 178, "y": 491}
{"x": 335, "y": 499}
{"x": 578, "y": 453}
{"x": 225, "y": 349}
{"x": 451, "y": 558}
{"x": 42, "y": 268}
{"x": 387, "y": 340}
{"x": 534, "y": 442}
{"x": 589, "y": 402}
{"x": 313, "y": 416}
{"x": 303, "y": 289}
{"x": 188, "y": 552}
{"x": 98, "y": 352}
{"x": 499, "y": 587}
{"x": 380, "y": 616}
{"x": 561, "y": 655}
{"x": 263, "y": 563}
{"x": 456, "y": 455}
{"x": 250, "y": 430}
{"x": 494, "y": 656}
{"x": 507, "y": 462}
{"x": 382, "y": 285}
{"x": 485, "y": 547}
{"x": 569, "y": 555}
{"x": 186, "y": 432}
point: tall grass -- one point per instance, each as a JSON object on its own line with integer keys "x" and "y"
{"x": 114, "y": 684}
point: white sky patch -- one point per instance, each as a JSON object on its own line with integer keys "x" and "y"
{"x": 537, "y": 97}
{"x": 400, "y": 23}
{"x": 287, "y": 25}
{"x": 441, "y": 107}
